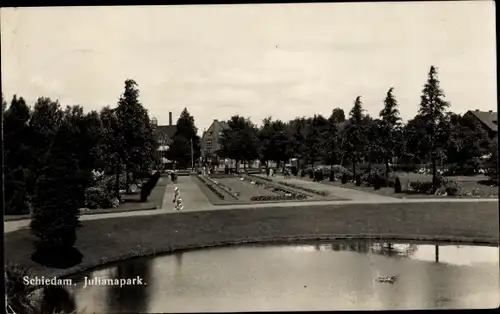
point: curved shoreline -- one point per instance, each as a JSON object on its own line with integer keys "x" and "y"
{"x": 106, "y": 241}
{"x": 439, "y": 240}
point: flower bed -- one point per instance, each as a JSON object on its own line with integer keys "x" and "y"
{"x": 299, "y": 187}
{"x": 289, "y": 196}
{"x": 295, "y": 186}
{"x": 211, "y": 187}
{"x": 223, "y": 187}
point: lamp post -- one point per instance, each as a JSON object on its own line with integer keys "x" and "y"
{"x": 192, "y": 154}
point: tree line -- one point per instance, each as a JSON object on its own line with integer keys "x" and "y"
{"x": 51, "y": 154}
{"x": 40, "y": 140}
{"x": 434, "y": 136}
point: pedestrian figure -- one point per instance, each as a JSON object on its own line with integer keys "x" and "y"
{"x": 177, "y": 195}
{"x": 179, "y": 205}
{"x": 172, "y": 176}
{"x": 271, "y": 172}
{"x": 267, "y": 172}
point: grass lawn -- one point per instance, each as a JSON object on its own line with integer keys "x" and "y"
{"x": 108, "y": 240}
{"x": 132, "y": 203}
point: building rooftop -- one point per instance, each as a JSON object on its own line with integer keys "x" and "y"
{"x": 488, "y": 118}
{"x": 167, "y": 130}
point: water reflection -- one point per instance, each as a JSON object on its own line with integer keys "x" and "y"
{"x": 57, "y": 299}
{"x": 315, "y": 276}
{"x": 130, "y": 298}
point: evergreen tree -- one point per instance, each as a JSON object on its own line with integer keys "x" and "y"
{"x": 354, "y": 132}
{"x": 389, "y": 128}
{"x": 17, "y": 156}
{"x": 135, "y": 131}
{"x": 433, "y": 113}
{"x": 55, "y": 216}
{"x": 45, "y": 120}
{"x": 185, "y": 147}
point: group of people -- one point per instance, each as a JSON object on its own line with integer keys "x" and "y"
{"x": 287, "y": 173}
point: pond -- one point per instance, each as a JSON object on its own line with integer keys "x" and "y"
{"x": 306, "y": 276}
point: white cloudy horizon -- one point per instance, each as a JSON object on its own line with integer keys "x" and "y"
{"x": 255, "y": 60}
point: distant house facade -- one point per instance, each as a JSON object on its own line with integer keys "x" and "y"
{"x": 488, "y": 119}
{"x": 211, "y": 141}
{"x": 164, "y": 135}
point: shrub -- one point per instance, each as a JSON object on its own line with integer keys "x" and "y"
{"x": 149, "y": 186}
{"x": 358, "y": 180}
{"x": 376, "y": 182}
{"x": 344, "y": 178}
{"x": 318, "y": 175}
{"x": 17, "y": 292}
{"x": 332, "y": 176}
{"x": 450, "y": 188}
{"x": 98, "y": 197}
{"x": 397, "y": 185}
{"x": 424, "y": 187}
{"x": 310, "y": 173}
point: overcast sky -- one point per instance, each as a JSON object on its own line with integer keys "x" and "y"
{"x": 256, "y": 60}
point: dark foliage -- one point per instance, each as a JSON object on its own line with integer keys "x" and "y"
{"x": 397, "y": 185}
{"x": 344, "y": 178}
{"x": 358, "y": 180}
{"x": 148, "y": 187}
{"x": 56, "y": 208}
{"x": 57, "y": 299}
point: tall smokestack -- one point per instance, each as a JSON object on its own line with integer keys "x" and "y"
{"x": 170, "y": 118}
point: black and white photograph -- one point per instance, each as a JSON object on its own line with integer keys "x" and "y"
{"x": 250, "y": 157}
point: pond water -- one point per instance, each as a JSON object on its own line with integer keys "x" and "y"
{"x": 309, "y": 276}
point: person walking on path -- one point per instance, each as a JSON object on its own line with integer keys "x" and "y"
{"x": 177, "y": 197}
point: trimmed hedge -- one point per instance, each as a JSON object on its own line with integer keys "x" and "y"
{"x": 397, "y": 185}
{"x": 149, "y": 186}
{"x": 319, "y": 176}
{"x": 344, "y": 178}
{"x": 358, "y": 180}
